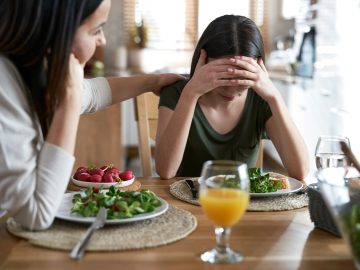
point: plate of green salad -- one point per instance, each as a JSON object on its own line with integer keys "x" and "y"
{"x": 261, "y": 184}
{"x": 122, "y": 206}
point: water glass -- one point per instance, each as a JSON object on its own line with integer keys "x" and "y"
{"x": 328, "y": 152}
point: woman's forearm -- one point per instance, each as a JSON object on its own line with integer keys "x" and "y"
{"x": 63, "y": 129}
{"x": 124, "y": 88}
{"x": 172, "y": 136}
{"x": 287, "y": 139}
{"x": 64, "y": 125}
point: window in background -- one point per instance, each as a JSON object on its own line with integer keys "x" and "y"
{"x": 174, "y": 29}
{"x": 180, "y": 27}
{"x": 259, "y": 14}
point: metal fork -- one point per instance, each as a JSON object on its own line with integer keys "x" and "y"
{"x": 78, "y": 251}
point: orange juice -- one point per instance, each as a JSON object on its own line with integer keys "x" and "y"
{"x": 224, "y": 206}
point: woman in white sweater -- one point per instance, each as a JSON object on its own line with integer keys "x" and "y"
{"x": 44, "y": 46}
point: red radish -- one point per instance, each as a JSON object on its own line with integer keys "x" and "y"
{"x": 95, "y": 178}
{"x": 76, "y": 175}
{"x": 115, "y": 208}
{"x": 107, "y": 174}
{"x": 108, "y": 178}
{"x": 97, "y": 171}
{"x": 82, "y": 169}
{"x": 113, "y": 170}
{"x": 104, "y": 168}
{"x": 126, "y": 175}
{"x": 83, "y": 177}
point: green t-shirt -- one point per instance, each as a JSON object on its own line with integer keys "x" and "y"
{"x": 204, "y": 143}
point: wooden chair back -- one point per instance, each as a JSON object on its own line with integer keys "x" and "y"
{"x": 146, "y": 115}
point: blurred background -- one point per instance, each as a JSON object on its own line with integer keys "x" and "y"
{"x": 312, "y": 57}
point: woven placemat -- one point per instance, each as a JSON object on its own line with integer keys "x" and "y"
{"x": 171, "y": 226}
{"x": 133, "y": 187}
{"x": 180, "y": 190}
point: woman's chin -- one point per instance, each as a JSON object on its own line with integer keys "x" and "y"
{"x": 243, "y": 89}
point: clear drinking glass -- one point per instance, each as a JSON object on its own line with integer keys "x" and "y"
{"x": 340, "y": 188}
{"x": 328, "y": 152}
{"x": 224, "y": 197}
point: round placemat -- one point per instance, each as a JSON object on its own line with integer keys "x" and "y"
{"x": 133, "y": 187}
{"x": 172, "y": 226}
{"x": 180, "y": 190}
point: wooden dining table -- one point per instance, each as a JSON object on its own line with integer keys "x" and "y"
{"x": 268, "y": 240}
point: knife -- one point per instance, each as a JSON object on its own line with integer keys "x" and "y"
{"x": 78, "y": 251}
{"x": 193, "y": 189}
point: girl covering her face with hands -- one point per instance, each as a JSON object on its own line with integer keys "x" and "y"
{"x": 44, "y": 46}
{"x": 226, "y": 107}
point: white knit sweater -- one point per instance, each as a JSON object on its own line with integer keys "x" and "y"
{"x": 33, "y": 173}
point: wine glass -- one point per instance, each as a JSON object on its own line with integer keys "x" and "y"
{"x": 328, "y": 152}
{"x": 224, "y": 197}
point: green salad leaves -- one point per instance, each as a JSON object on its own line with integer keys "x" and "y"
{"x": 261, "y": 183}
{"x": 119, "y": 204}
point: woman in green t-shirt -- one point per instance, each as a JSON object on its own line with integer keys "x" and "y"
{"x": 226, "y": 107}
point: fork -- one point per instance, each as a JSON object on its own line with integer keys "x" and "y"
{"x": 78, "y": 251}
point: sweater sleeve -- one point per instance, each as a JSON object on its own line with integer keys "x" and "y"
{"x": 33, "y": 174}
{"x": 46, "y": 189}
{"x": 97, "y": 95}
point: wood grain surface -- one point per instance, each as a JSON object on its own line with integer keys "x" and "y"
{"x": 268, "y": 240}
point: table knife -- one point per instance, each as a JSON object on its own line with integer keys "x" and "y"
{"x": 78, "y": 251}
{"x": 193, "y": 189}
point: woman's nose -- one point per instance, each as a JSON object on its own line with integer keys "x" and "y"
{"x": 102, "y": 40}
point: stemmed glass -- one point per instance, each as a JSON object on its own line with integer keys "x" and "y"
{"x": 328, "y": 152}
{"x": 224, "y": 197}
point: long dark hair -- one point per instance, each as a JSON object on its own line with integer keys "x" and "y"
{"x": 229, "y": 35}
{"x": 37, "y": 36}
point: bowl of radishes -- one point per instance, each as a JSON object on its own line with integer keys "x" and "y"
{"x": 105, "y": 176}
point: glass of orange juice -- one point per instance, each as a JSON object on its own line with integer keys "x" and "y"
{"x": 224, "y": 197}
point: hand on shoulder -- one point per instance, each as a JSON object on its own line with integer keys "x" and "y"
{"x": 166, "y": 79}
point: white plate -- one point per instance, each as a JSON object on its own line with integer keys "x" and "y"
{"x": 295, "y": 185}
{"x": 64, "y": 212}
{"x": 104, "y": 184}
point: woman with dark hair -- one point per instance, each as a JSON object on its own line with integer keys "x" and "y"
{"x": 226, "y": 107}
{"x": 44, "y": 46}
